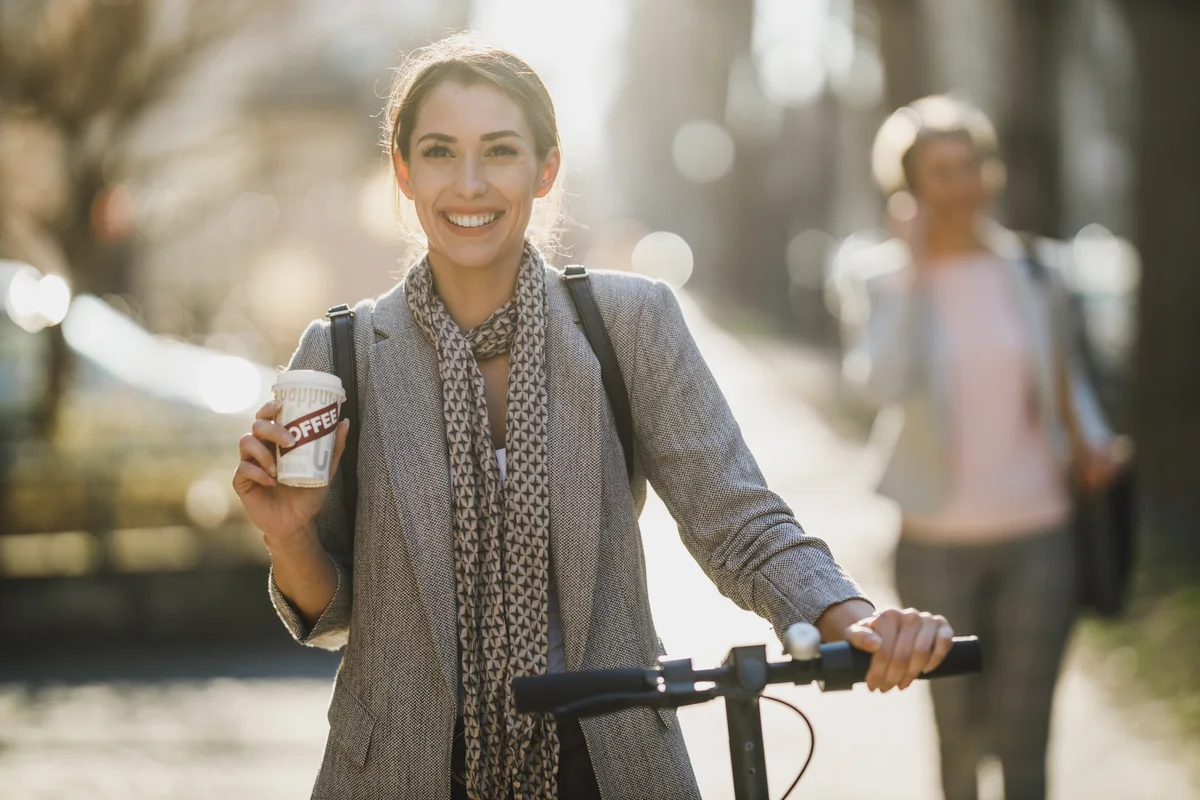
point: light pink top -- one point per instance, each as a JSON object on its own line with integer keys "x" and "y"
{"x": 1004, "y": 480}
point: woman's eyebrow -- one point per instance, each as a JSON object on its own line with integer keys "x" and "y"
{"x": 487, "y": 137}
{"x": 438, "y": 137}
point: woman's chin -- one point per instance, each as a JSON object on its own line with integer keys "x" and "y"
{"x": 479, "y": 254}
{"x": 476, "y": 252}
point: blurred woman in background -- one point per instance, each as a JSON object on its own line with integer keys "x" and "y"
{"x": 958, "y": 328}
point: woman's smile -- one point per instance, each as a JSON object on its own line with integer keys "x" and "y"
{"x": 477, "y": 223}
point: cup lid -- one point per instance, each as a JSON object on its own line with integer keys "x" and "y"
{"x": 310, "y": 377}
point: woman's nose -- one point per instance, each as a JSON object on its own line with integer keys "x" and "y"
{"x": 470, "y": 181}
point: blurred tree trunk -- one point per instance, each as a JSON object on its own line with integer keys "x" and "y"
{"x": 87, "y": 75}
{"x": 688, "y": 46}
{"x": 1028, "y": 126}
{"x": 1167, "y": 379}
{"x": 905, "y": 51}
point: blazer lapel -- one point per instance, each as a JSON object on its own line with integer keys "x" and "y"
{"x": 576, "y": 446}
{"x": 407, "y": 387}
{"x": 1035, "y": 308}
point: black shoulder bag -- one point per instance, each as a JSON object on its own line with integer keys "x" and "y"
{"x": 341, "y": 328}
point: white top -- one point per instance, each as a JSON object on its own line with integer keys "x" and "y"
{"x": 1004, "y": 481}
{"x": 556, "y": 658}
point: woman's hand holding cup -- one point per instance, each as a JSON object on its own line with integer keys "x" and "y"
{"x": 283, "y": 513}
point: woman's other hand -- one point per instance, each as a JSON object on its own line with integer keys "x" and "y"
{"x": 904, "y": 643}
{"x": 281, "y": 512}
{"x": 1098, "y": 467}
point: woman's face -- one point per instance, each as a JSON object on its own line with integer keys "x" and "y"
{"x": 947, "y": 179}
{"x": 473, "y": 174}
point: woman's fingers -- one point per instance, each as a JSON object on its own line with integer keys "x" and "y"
{"x": 907, "y": 627}
{"x": 253, "y": 449}
{"x": 885, "y": 626}
{"x": 904, "y": 643}
{"x": 922, "y": 650}
{"x": 943, "y": 641}
{"x": 271, "y": 431}
{"x": 269, "y": 410}
{"x": 248, "y": 475}
{"x": 861, "y": 637}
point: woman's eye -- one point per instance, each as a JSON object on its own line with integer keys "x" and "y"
{"x": 437, "y": 151}
{"x": 503, "y": 150}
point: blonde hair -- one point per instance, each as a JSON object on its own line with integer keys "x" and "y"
{"x": 935, "y": 117}
{"x": 462, "y": 58}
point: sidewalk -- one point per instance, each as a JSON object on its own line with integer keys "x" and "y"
{"x": 870, "y": 746}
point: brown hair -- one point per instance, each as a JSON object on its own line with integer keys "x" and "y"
{"x": 903, "y": 134}
{"x": 461, "y": 58}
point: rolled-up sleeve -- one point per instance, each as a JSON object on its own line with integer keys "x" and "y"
{"x": 333, "y": 626}
{"x": 742, "y": 534}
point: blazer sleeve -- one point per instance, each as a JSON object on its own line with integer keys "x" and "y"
{"x": 332, "y": 628}
{"x": 879, "y": 351}
{"x": 740, "y": 532}
{"x": 1089, "y": 414}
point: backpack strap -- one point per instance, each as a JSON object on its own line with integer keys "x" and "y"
{"x": 341, "y": 328}
{"x": 580, "y": 288}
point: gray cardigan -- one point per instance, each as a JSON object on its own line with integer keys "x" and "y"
{"x": 395, "y": 699}
{"x": 893, "y": 357}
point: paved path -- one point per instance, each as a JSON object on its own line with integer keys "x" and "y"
{"x": 262, "y": 737}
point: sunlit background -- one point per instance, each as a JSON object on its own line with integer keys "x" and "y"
{"x": 184, "y": 185}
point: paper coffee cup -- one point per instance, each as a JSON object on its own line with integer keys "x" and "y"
{"x": 311, "y": 402}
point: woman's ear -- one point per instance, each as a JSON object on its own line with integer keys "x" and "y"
{"x": 401, "y": 170}
{"x": 549, "y": 172}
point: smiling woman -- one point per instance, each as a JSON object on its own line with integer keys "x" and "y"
{"x": 496, "y": 532}
{"x": 505, "y": 135}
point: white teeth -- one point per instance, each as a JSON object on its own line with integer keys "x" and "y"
{"x": 472, "y": 221}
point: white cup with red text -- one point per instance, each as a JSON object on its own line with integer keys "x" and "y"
{"x": 311, "y": 403}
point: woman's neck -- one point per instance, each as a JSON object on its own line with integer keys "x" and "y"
{"x": 949, "y": 242}
{"x": 472, "y": 294}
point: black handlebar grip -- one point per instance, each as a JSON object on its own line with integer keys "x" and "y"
{"x": 544, "y": 693}
{"x": 842, "y": 666}
{"x": 965, "y": 658}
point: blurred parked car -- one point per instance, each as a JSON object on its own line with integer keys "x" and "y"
{"x": 117, "y": 446}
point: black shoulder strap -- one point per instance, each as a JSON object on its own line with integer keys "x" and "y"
{"x": 610, "y": 369}
{"x": 341, "y": 328}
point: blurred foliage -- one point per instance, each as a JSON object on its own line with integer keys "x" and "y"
{"x": 1156, "y": 642}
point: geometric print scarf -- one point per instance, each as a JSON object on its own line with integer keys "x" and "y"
{"x": 502, "y": 532}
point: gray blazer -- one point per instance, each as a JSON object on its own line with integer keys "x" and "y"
{"x": 395, "y": 700}
{"x": 893, "y": 357}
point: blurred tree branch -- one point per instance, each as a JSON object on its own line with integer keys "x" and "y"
{"x": 86, "y": 74}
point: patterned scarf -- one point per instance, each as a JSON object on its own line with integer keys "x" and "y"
{"x": 501, "y": 532}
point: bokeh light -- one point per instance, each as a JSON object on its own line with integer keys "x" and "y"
{"x": 208, "y": 502}
{"x": 792, "y": 75}
{"x": 53, "y": 299}
{"x": 665, "y": 256}
{"x": 703, "y": 151}
{"x": 232, "y": 385}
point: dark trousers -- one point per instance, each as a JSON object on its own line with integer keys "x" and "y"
{"x": 1018, "y": 596}
{"x": 576, "y": 778}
